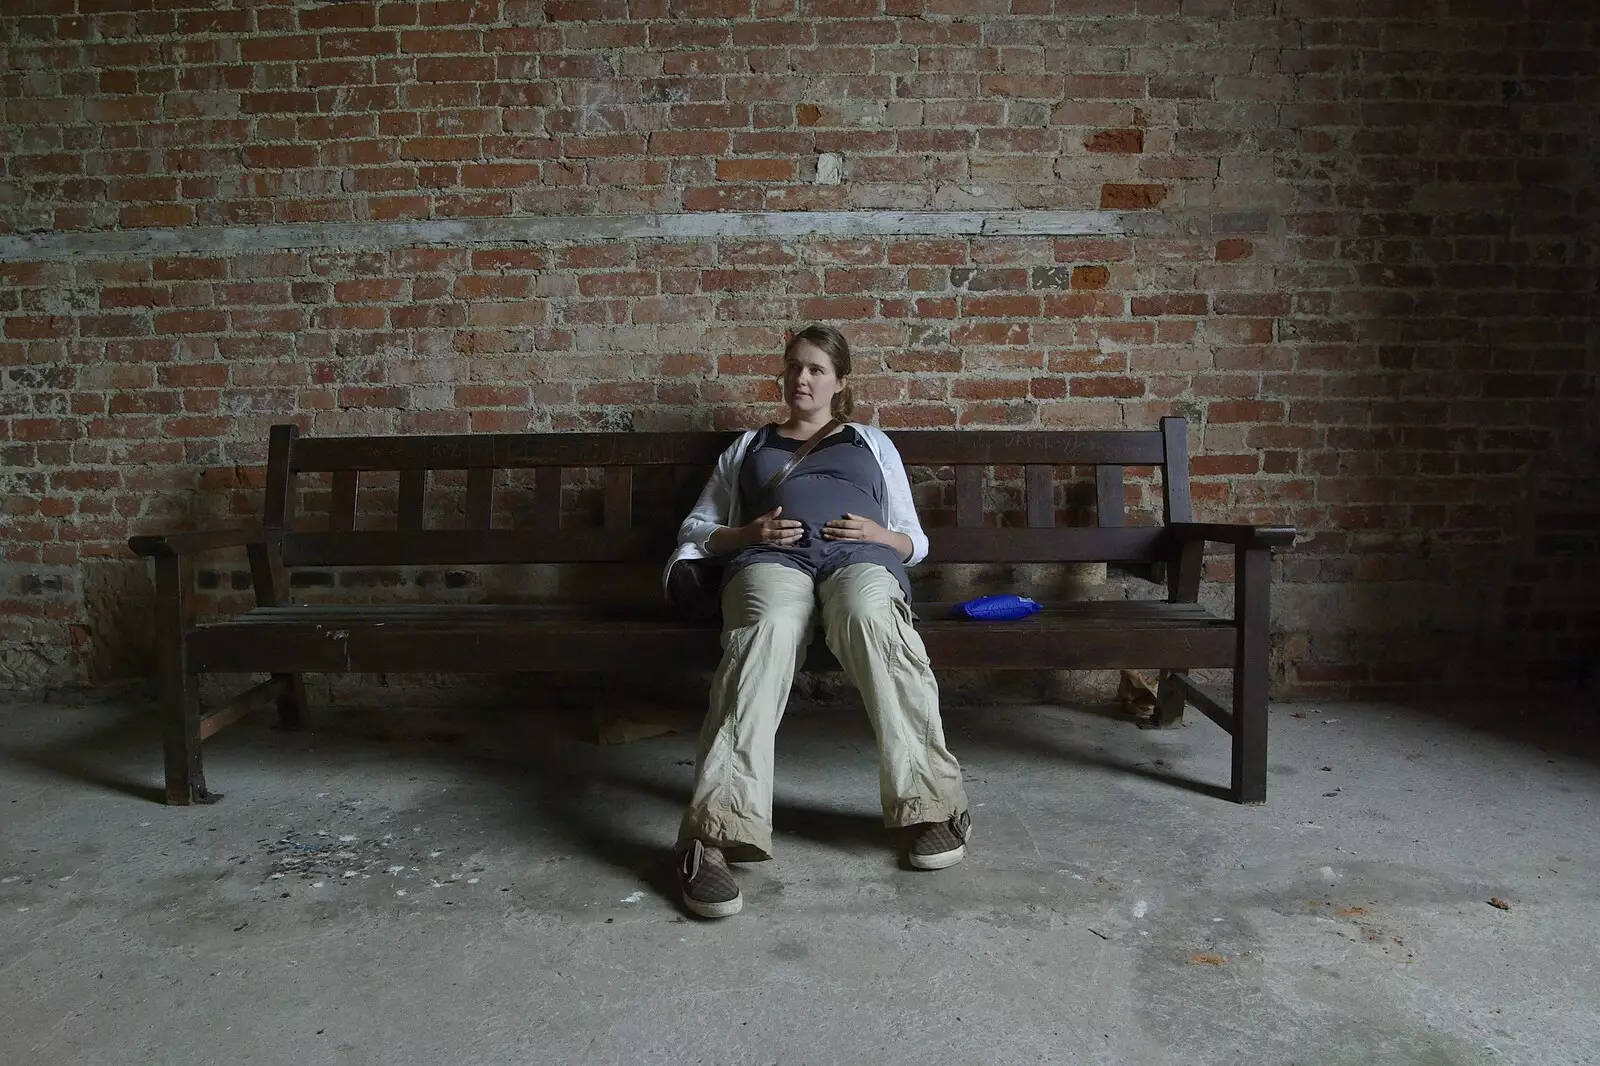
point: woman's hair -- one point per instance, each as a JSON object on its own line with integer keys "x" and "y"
{"x": 832, "y": 343}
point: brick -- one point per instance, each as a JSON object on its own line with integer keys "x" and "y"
{"x": 492, "y": 286}
{"x": 931, "y": 251}
{"x": 626, "y": 393}
{"x": 510, "y": 259}
{"x": 193, "y": 426}
{"x": 723, "y": 198}
{"x": 709, "y": 116}
{"x": 755, "y": 170}
{"x": 1245, "y": 411}
{"x": 191, "y": 322}
{"x": 1194, "y": 303}
{"x": 990, "y": 389}
{"x": 455, "y": 69}
{"x": 501, "y": 175}
{"x": 280, "y": 156}
{"x": 1234, "y": 249}
{"x": 419, "y": 42}
{"x": 1104, "y": 87}
{"x": 990, "y": 333}
{"x": 1100, "y": 249}
{"x": 157, "y": 215}
{"x": 602, "y": 255}
{"x": 1124, "y": 141}
{"x": 1000, "y": 306}
{"x": 439, "y": 148}
{"x": 1090, "y": 277}
{"x": 1022, "y": 86}
{"x": 44, "y": 429}
{"x": 837, "y": 308}
{"x": 350, "y": 318}
{"x": 477, "y": 396}
{"x": 38, "y": 327}
{"x": 1082, "y": 305}
{"x": 603, "y": 145}
{"x": 1115, "y": 197}
{"x": 204, "y": 375}
{"x": 521, "y": 314}
{"x": 278, "y": 49}
{"x": 1106, "y": 385}
{"x": 275, "y": 103}
{"x": 1223, "y": 465}
{"x": 621, "y": 283}
{"x": 427, "y": 316}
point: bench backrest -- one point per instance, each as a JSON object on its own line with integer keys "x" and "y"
{"x": 631, "y": 533}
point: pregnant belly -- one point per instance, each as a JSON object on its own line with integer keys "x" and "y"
{"x": 816, "y": 501}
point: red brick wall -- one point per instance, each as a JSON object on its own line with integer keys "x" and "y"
{"x": 1359, "y": 255}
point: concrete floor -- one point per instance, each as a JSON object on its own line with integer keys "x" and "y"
{"x": 432, "y": 887}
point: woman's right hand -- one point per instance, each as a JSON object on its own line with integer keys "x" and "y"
{"x": 770, "y": 528}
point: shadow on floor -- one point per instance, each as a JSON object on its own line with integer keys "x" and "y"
{"x": 583, "y": 794}
{"x": 99, "y": 754}
{"x": 1019, "y": 734}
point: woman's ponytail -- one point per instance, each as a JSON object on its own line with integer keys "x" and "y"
{"x": 844, "y": 402}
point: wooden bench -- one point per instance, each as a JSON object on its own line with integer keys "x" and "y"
{"x": 286, "y": 640}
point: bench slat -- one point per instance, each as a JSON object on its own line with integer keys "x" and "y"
{"x": 1074, "y": 636}
{"x": 480, "y": 497}
{"x": 619, "y": 497}
{"x": 1007, "y": 447}
{"x": 1056, "y": 545}
{"x": 342, "y": 509}
{"x": 441, "y": 547}
{"x": 969, "y": 497}
{"x": 1041, "y": 495}
{"x": 1176, "y": 504}
{"x": 1110, "y": 498}
{"x": 413, "y": 488}
{"x": 651, "y": 546}
{"x": 467, "y": 451}
{"x": 278, "y": 505}
{"x": 547, "y": 499}
{"x": 345, "y": 614}
{"x": 916, "y": 447}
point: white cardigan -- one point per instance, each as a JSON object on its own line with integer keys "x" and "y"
{"x": 719, "y": 501}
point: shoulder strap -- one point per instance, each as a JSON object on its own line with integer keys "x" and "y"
{"x": 800, "y": 453}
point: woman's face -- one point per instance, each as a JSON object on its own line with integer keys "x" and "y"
{"x": 809, "y": 381}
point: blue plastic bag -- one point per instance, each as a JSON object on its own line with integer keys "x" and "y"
{"x": 1002, "y": 608}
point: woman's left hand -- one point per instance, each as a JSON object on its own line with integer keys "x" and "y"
{"x": 855, "y": 527}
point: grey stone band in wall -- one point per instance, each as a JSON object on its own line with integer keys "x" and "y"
{"x": 548, "y": 229}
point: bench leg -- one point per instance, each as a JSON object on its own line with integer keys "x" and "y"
{"x": 180, "y": 689}
{"x": 272, "y": 590}
{"x": 291, "y": 701}
{"x": 1252, "y": 615}
{"x": 180, "y": 741}
{"x": 1169, "y": 700}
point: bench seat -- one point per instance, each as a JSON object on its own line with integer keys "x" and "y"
{"x": 490, "y": 638}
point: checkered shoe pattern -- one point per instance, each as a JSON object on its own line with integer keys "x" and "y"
{"x": 935, "y": 845}
{"x": 709, "y": 889}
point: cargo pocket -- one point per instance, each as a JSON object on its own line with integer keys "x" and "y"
{"x": 908, "y": 640}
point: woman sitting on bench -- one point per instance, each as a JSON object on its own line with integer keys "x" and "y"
{"x": 838, "y": 527}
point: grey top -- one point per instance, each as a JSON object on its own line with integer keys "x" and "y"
{"x": 841, "y": 476}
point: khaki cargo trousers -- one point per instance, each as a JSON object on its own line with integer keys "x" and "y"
{"x": 768, "y": 611}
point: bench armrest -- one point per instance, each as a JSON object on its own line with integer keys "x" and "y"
{"x": 165, "y": 545}
{"x": 1238, "y": 535}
